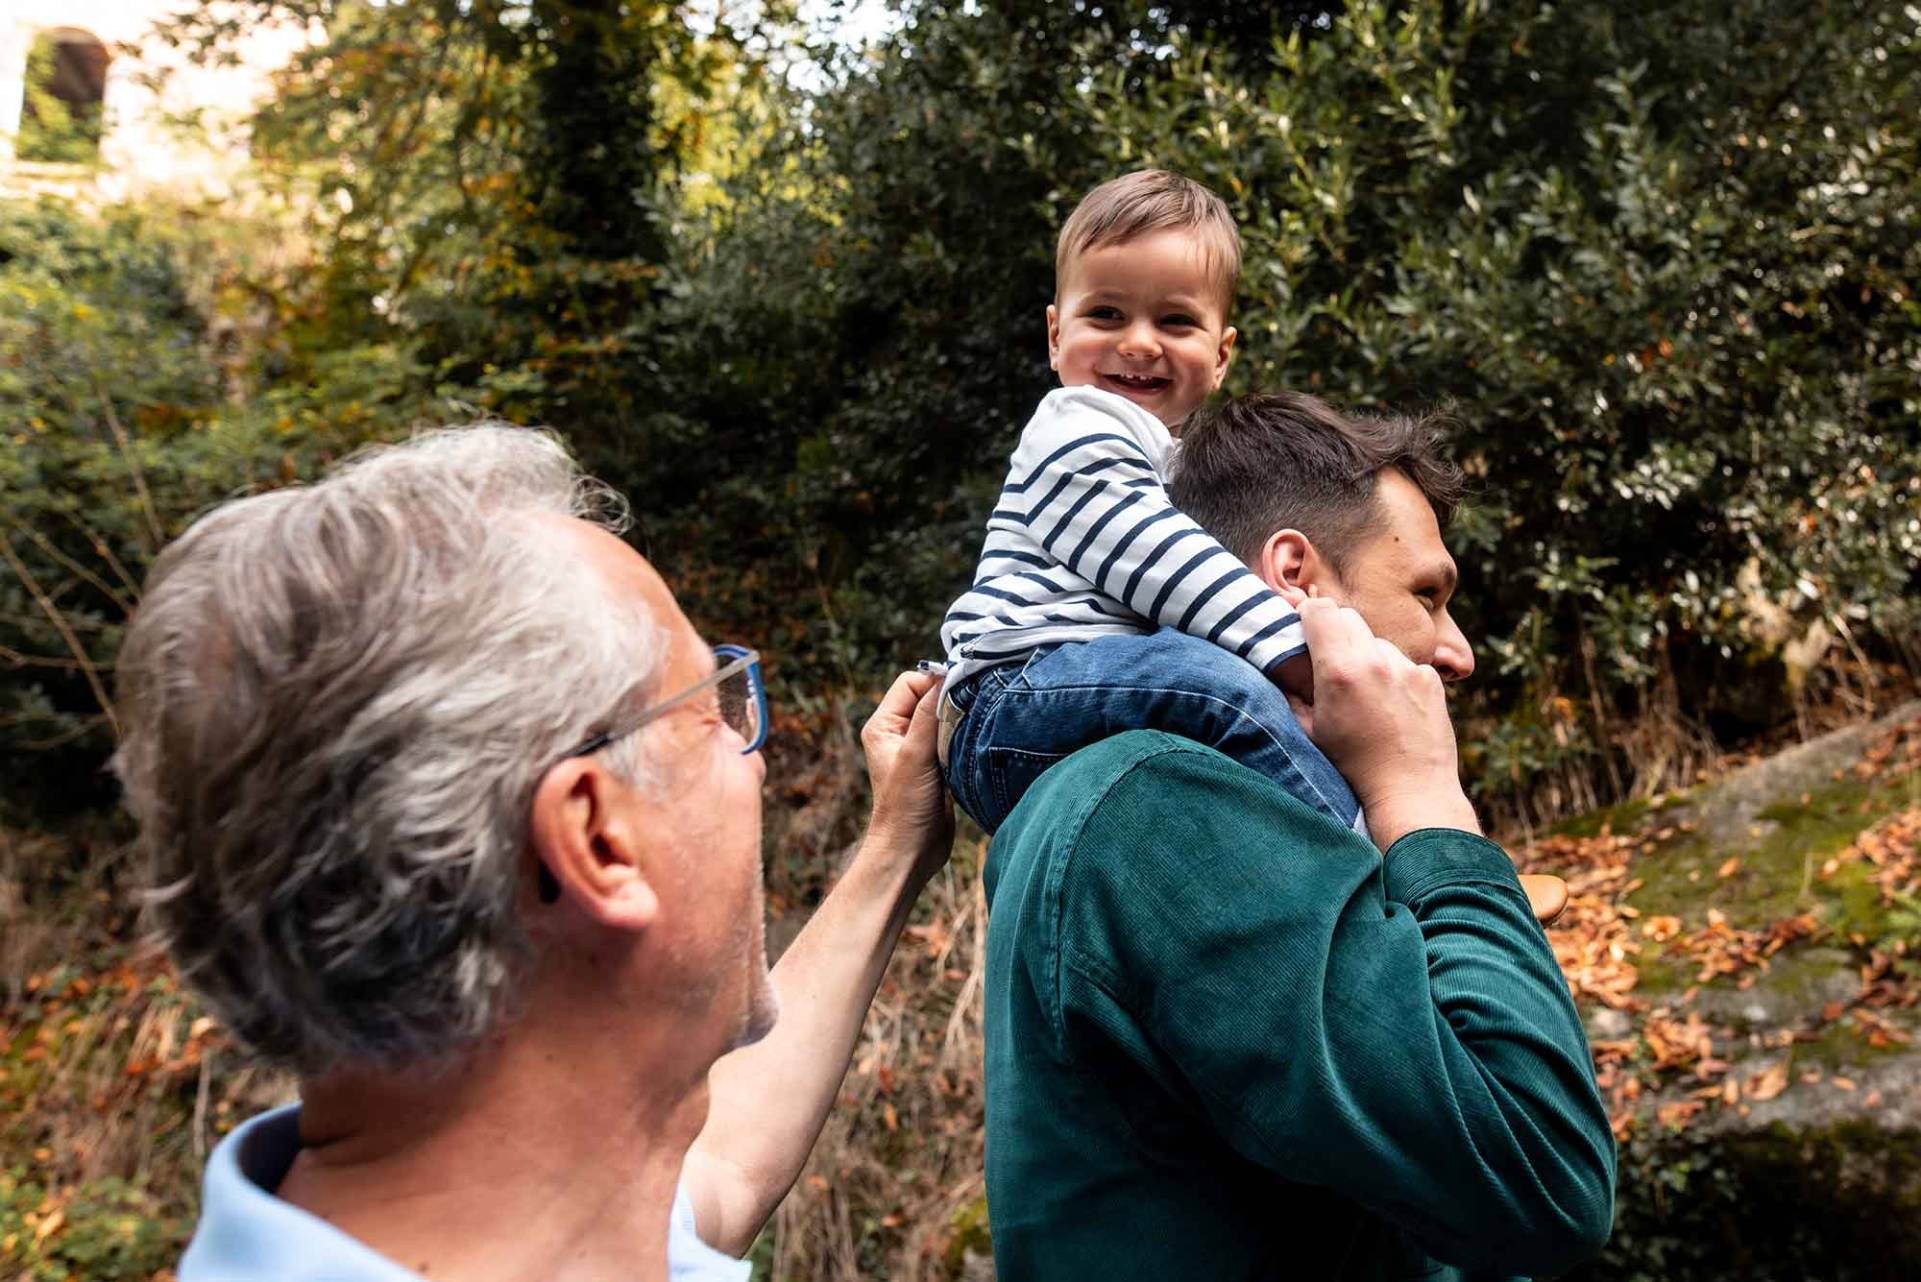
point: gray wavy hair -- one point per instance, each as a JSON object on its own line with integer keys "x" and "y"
{"x": 337, "y": 701}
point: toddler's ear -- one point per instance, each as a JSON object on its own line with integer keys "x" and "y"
{"x": 1054, "y": 337}
{"x": 1225, "y": 355}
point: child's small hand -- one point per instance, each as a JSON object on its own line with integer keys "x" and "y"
{"x": 1546, "y": 895}
{"x": 1295, "y": 677}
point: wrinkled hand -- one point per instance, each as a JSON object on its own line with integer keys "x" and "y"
{"x": 1382, "y": 720}
{"x": 911, "y": 807}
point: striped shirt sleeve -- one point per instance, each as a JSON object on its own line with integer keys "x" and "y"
{"x": 1088, "y": 487}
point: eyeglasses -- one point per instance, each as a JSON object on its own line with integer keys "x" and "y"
{"x": 737, "y": 687}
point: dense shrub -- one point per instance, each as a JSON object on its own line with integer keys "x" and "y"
{"x": 144, "y": 377}
{"x": 1775, "y": 1205}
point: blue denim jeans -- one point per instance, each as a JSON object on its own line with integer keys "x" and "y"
{"x": 1022, "y": 718}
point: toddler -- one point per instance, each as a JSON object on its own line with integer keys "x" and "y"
{"x": 1084, "y": 545}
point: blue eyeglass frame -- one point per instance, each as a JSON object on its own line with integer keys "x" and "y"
{"x": 734, "y": 658}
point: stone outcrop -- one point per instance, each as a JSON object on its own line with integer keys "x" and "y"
{"x": 1748, "y": 958}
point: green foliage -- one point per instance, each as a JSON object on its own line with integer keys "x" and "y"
{"x": 1666, "y": 286}
{"x": 482, "y": 184}
{"x": 51, "y": 129}
{"x": 493, "y": 181}
{"x": 138, "y": 389}
{"x": 95, "y": 332}
{"x": 107, "y": 1230}
{"x": 592, "y": 167}
{"x": 1669, "y": 297}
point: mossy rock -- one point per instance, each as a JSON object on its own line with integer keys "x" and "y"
{"x": 1753, "y": 848}
{"x": 1779, "y": 859}
{"x": 1815, "y": 1174}
{"x": 1725, "y": 814}
{"x": 1839, "y": 1204}
{"x": 1625, "y": 816}
{"x": 1797, "y": 982}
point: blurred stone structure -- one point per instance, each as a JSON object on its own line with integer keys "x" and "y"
{"x": 166, "y": 120}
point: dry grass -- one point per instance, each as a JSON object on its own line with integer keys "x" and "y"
{"x": 113, "y": 1084}
{"x": 894, "y": 1188}
{"x": 1661, "y": 745}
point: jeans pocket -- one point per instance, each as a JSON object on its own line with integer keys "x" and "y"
{"x": 1010, "y": 772}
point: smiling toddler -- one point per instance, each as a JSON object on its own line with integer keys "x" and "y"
{"x": 1085, "y": 545}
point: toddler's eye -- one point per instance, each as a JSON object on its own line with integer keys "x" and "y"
{"x": 1104, "y": 313}
{"x": 1178, "y": 321}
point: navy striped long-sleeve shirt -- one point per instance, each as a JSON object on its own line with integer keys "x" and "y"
{"x": 1084, "y": 542}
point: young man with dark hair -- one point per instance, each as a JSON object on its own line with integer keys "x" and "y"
{"x": 1229, "y": 1039}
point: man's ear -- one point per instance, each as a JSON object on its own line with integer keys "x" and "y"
{"x": 583, "y": 835}
{"x": 1225, "y": 356}
{"x": 1053, "y": 337}
{"x": 1287, "y": 563}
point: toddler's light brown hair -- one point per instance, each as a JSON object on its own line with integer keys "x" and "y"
{"x": 1151, "y": 200}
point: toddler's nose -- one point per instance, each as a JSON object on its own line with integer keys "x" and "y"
{"x": 1140, "y": 341}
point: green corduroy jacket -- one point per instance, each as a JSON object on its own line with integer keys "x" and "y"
{"x": 1227, "y": 1039}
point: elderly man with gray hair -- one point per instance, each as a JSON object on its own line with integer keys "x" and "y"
{"x": 452, "y": 813}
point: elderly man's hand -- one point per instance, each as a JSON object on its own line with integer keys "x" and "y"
{"x": 911, "y": 808}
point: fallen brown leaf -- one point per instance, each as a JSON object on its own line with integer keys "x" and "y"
{"x": 1768, "y": 1083}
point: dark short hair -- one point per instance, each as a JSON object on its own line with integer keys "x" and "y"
{"x": 1271, "y": 461}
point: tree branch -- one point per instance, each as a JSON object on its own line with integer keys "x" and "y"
{"x": 15, "y": 659}
{"x": 66, "y": 736}
{"x": 45, "y": 545}
{"x": 59, "y": 621}
{"x": 101, "y": 546}
{"x": 133, "y": 466}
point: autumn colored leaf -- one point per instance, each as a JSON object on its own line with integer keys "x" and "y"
{"x": 1767, "y": 1083}
{"x": 1661, "y": 929}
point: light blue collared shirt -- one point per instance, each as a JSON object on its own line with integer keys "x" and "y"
{"x": 246, "y": 1234}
